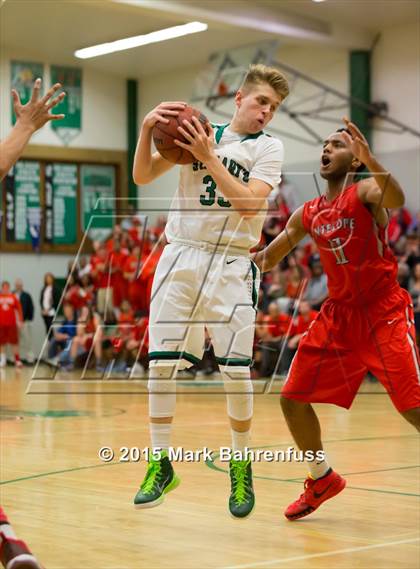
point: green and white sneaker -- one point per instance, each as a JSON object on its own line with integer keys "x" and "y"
{"x": 242, "y": 499}
{"x": 159, "y": 480}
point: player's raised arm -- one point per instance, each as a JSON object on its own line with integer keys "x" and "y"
{"x": 283, "y": 243}
{"x": 147, "y": 166}
{"x": 382, "y": 189}
{"x": 29, "y": 118}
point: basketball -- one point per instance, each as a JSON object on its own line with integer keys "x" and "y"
{"x": 164, "y": 136}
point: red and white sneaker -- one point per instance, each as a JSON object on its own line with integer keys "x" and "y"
{"x": 316, "y": 492}
{"x": 18, "y": 364}
{"x": 14, "y": 554}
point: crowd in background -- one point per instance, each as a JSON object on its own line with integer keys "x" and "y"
{"x": 103, "y": 321}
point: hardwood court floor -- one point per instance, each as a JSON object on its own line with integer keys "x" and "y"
{"x": 76, "y": 511}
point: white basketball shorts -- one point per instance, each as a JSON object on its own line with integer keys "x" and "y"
{"x": 195, "y": 289}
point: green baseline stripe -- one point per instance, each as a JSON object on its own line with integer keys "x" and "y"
{"x": 174, "y": 356}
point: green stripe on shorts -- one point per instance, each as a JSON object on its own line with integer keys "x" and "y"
{"x": 174, "y": 356}
{"x": 234, "y": 361}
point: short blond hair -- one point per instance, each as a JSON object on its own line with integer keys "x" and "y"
{"x": 259, "y": 73}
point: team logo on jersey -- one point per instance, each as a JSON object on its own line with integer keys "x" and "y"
{"x": 233, "y": 167}
{"x": 332, "y": 231}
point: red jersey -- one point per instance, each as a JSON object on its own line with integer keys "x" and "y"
{"x": 78, "y": 297}
{"x": 125, "y": 324}
{"x": 141, "y": 334}
{"x": 301, "y": 324}
{"x": 277, "y": 326}
{"x": 353, "y": 248}
{"x": 9, "y": 305}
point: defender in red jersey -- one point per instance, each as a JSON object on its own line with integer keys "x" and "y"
{"x": 367, "y": 322}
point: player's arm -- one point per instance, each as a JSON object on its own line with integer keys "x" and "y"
{"x": 382, "y": 189}
{"x": 29, "y": 118}
{"x": 147, "y": 166}
{"x": 282, "y": 244}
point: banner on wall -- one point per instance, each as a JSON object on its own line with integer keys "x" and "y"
{"x": 71, "y": 106}
{"x": 23, "y": 75}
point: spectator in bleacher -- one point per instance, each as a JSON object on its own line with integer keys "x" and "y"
{"x": 136, "y": 231}
{"x": 118, "y": 258}
{"x": 11, "y": 320}
{"x": 403, "y": 275}
{"x": 295, "y": 282}
{"x": 63, "y": 334}
{"x": 116, "y": 235}
{"x": 399, "y": 221}
{"x": 85, "y": 267}
{"x": 88, "y": 338}
{"x": 137, "y": 347}
{"x": 316, "y": 288}
{"x": 276, "y": 325}
{"x": 101, "y": 279}
{"x": 275, "y": 282}
{"x": 275, "y": 221}
{"x": 137, "y": 278}
{"x": 126, "y": 320}
{"x": 72, "y": 293}
{"x": 25, "y": 332}
{"x": 411, "y": 253}
{"x": 49, "y": 300}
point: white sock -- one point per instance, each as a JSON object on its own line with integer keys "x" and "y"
{"x": 240, "y": 440}
{"x": 318, "y": 468}
{"x": 2, "y": 359}
{"x": 160, "y": 435}
{"x": 7, "y": 530}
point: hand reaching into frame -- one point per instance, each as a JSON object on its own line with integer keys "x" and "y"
{"x": 36, "y": 112}
{"x": 356, "y": 142}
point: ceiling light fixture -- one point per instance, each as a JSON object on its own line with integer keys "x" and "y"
{"x": 137, "y": 41}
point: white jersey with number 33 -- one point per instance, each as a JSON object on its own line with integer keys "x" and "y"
{"x": 200, "y": 212}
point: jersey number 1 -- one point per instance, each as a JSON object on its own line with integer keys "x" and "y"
{"x": 338, "y": 250}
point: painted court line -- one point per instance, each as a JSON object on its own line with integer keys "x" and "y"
{"x": 326, "y": 554}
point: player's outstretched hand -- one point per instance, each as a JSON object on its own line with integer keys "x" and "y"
{"x": 36, "y": 112}
{"x": 200, "y": 142}
{"x": 163, "y": 110}
{"x": 356, "y": 142}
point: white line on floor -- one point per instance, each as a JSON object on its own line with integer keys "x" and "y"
{"x": 326, "y": 554}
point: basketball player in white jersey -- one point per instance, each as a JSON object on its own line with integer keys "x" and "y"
{"x": 205, "y": 277}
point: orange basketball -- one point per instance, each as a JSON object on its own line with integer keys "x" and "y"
{"x": 165, "y": 134}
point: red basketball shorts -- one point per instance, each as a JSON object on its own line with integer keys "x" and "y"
{"x": 9, "y": 335}
{"x": 345, "y": 342}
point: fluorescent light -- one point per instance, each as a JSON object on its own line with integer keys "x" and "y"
{"x": 318, "y": 0}
{"x": 136, "y": 41}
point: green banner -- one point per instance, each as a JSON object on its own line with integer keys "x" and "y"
{"x": 61, "y": 203}
{"x": 97, "y": 186}
{"x": 22, "y": 78}
{"x": 71, "y": 106}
